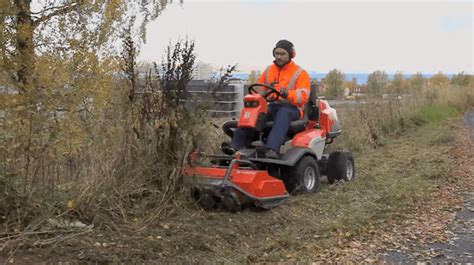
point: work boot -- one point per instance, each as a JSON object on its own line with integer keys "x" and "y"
{"x": 271, "y": 154}
{"x": 228, "y": 149}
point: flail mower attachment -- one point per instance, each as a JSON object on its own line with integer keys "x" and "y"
{"x": 235, "y": 185}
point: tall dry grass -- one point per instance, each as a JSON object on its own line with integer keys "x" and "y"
{"x": 366, "y": 125}
{"x": 115, "y": 162}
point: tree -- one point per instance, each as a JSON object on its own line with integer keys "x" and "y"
{"x": 352, "y": 85}
{"x": 253, "y": 76}
{"x": 417, "y": 82}
{"x": 460, "y": 79}
{"x": 129, "y": 66}
{"x": 335, "y": 81}
{"x": 398, "y": 85}
{"x": 440, "y": 79}
{"x": 377, "y": 82}
{"x": 60, "y": 58}
{"x": 64, "y": 26}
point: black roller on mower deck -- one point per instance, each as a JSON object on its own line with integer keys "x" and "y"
{"x": 204, "y": 199}
{"x": 340, "y": 167}
{"x": 230, "y": 200}
{"x": 227, "y": 199}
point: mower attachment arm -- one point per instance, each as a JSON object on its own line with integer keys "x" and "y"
{"x": 234, "y": 164}
{"x": 264, "y": 202}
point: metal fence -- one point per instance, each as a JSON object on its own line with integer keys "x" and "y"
{"x": 226, "y": 101}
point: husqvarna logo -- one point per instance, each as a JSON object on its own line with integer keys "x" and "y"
{"x": 247, "y": 115}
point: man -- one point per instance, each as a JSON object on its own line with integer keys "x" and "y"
{"x": 293, "y": 83}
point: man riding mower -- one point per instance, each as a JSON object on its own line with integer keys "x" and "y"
{"x": 292, "y": 85}
{"x": 277, "y": 146}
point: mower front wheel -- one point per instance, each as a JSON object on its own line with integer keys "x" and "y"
{"x": 304, "y": 176}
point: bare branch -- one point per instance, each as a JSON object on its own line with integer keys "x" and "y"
{"x": 61, "y": 10}
{"x": 42, "y": 12}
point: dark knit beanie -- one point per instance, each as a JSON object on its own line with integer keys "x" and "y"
{"x": 287, "y": 46}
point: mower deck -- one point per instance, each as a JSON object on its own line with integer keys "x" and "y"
{"x": 235, "y": 185}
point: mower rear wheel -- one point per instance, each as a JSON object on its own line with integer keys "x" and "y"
{"x": 340, "y": 166}
{"x": 304, "y": 176}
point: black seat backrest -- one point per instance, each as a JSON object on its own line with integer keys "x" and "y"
{"x": 310, "y": 113}
{"x": 313, "y": 108}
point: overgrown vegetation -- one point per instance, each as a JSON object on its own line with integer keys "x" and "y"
{"x": 113, "y": 162}
{"x": 83, "y": 136}
{"x": 346, "y": 221}
{"x": 367, "y": 125}
{"x": 126, "y": 173}
{"x": 85, "y": 140}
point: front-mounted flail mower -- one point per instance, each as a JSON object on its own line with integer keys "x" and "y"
{"x": 249, "y": 177}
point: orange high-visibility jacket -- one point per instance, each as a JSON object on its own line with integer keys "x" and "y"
{"x": 293, "y": 78}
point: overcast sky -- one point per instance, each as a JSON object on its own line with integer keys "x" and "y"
{"x": 352, "y": 36}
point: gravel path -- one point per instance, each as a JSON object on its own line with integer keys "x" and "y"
{"x": 460, "y": 247}
{"x": 469, "y": 120}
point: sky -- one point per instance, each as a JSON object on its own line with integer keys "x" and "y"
{"x": 352, "y": 36}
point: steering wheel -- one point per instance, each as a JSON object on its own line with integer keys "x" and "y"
{"x": 267, "y": 97}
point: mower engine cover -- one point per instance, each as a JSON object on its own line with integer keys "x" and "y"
{"x": 254, "y": 113}
{"x": 329, "y": 120}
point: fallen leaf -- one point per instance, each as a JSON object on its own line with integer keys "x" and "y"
{"x": 71, "y": 204}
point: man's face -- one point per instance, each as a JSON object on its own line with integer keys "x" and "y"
{"x": 281, "y": 56}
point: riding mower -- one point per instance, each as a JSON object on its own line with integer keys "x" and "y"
{"x": 249, "y": 177}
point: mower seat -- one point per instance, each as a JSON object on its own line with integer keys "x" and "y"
{"x": 295, "y": 127}
{"x": 311, "y": 112}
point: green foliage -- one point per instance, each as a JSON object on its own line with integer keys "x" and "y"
{"x": 461, "y": 79}
{"x": 417, "y": 82}
{"x": 398, "y": 85}
{"x": 377, "y": 82}
{"x": 437, "y": 113}
{"x": 335, "y": 80}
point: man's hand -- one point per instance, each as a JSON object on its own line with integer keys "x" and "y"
{"x": 283, "y": 92}
{"x": 261, "y": 90}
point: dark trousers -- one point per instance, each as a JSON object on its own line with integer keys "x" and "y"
{"x": 282, "y": 115}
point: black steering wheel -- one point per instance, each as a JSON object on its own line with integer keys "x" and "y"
{"x": 267, "y": 97}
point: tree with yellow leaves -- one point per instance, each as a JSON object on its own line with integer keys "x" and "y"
{"x": 59, "y": 69}
{"x": 440, "y": 79}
